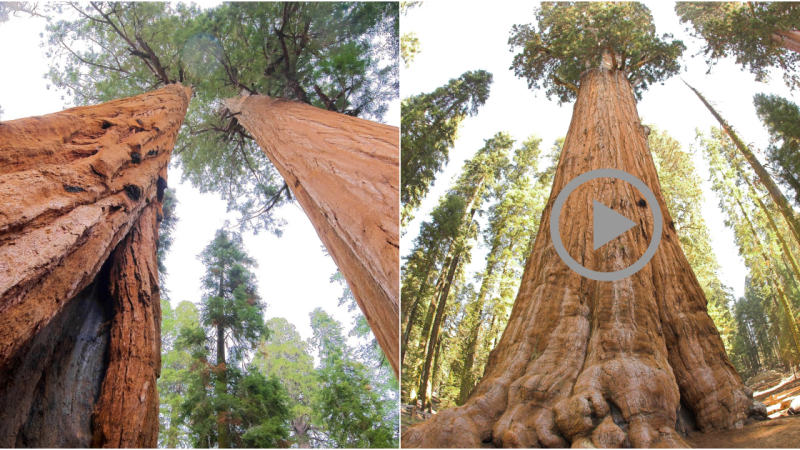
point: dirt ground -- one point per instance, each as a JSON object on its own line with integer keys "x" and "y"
{"x": 783, "y": 432}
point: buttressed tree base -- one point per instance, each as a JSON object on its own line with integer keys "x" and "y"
{"x": 590, "y": 363}
{"x": 79, "y": 298}
{"x": 344, "y": 172}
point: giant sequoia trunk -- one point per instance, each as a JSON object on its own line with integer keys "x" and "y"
{"x": 600, "y": 363}
{"x": 789, "y": 40}
{"x": 79, "y": 302}
{"x": 344, "y": 172}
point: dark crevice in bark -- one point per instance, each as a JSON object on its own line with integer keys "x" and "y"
{"x": 51, "y": 384}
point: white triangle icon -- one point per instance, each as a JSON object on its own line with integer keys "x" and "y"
{"x": 607, "y": 224}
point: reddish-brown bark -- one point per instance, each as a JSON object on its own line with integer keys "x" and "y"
{"x": 344, "y": 172}
{"x": 74, "y": 183}
{"x": 789, "y": 40}
{"x": 126, "y": 414}
{"x": 585, "y": 362}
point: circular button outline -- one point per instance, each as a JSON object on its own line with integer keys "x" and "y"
{"x": 555, "y": 234}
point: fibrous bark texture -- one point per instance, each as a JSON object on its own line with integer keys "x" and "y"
{"x": 129, "y": 388}
{"x": 592, "y": 363}
{"x": 344, "y": 172}
{"x": 74, "y": 183}
{"x": 789, "y": 40}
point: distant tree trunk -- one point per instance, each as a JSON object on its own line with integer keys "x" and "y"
{"x": 467, "y": 381}
{"x": 74, "y": 184}
{"x": 437, "y": 322}
{"x": 469, "y": 215}
{"x": 344, "y": 172}
{"x": 412, "y": 314}
{"x": 780, "y": 200}
{"x": 600, "y": 363}
{"x": 221, "y": 387}
{"x": 773, "y": 278}
{"x": 301, "y": 427}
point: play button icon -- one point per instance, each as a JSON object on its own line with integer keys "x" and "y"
{"x": 607, "y": 224}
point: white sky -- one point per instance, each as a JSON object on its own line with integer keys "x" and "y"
{"x": 293, "y": 272}
{"x": 457, "y": 39}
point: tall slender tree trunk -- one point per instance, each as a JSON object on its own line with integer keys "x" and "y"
{"x": 76, "y": 185}
{"x": 436, "y": 368}
{"x": 780, "y": 200}
{"x": 412, "y": 314}
{"x": 437, "y": 322}
{"x": 344, "y": 172}
{"x": 773, "y": 278}
{"x": 600, "y": 363}
{"x": 469, "y": 215}
{"x": 475, "y": 326}
{"x": 221, "y": 388}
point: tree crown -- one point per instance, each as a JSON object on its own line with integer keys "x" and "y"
{"x": 758, "y": 34}
{"x": 575, "y": 36}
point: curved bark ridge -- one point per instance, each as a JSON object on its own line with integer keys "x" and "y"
{"x": 344, "y": 172}
{"x": 76, "y": 183}
{"x": 590, "y": 363}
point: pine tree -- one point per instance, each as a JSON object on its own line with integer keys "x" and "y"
{"x": 473, "y": 186}
{"x": 345, "y": 404}
{"x": 228, "y": 402}
{"x": 428, "y": 131}
{"x": 781, "y": 117}
{"x": 759, "y": 245}
{"x": 780, "y": 201}
{"x": 513, "y": 220}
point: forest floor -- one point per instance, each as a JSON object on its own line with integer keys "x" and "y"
{"x": 783, "y": 432}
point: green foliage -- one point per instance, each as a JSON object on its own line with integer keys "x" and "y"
{"x": 752, "y": 32}
{"x": 263, "y": 411}
{"x": 409, "y": 48}
{"x": 337, "y": 56}
{"x": 286, "y": 355}
{"x": 231, "y": 301}
{"x": 757, "y": 238}
{"x": 165, "y": 238}
{"x": 230, "y": 402}
{"x": 680, "y": 185}
{"x": 428, "y": 131}
{"x": 444, "y": 240}
{"x": 781, "y": 117}
{"x": 346, "y": 404}
{"x": 574, "y": 36}
{"x": 753, "y": 345}
{"x": 409, "y": 43}
{"x": 175, "y": 367}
